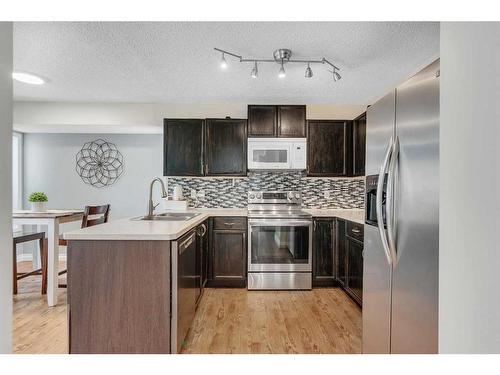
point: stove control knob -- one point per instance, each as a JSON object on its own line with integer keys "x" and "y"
{"x": 252, "y": 196}
{"x": 290, "y": 195}
{"x": 259, "y": 195}
{"x": 297, "y": 196}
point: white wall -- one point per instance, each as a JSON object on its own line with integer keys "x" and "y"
{"x": 49, "y": 166}
{"x": 56, "y": 117}
{"x": 469, "y": 264}
{"x": 5, "y": 187}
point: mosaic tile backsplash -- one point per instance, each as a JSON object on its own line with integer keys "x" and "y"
{"x": 222, "y": 193}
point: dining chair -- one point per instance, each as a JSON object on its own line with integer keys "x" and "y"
{"x": 22, "y": 237}
{"x": 89, "y": 219}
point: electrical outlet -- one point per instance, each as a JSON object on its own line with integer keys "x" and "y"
{"x": 326, "y": 195}
{"x": 201, "y": 194}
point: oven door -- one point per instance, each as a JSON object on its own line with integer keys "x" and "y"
{"x": 279, "y": 245}
{"x": 269, "y": 155}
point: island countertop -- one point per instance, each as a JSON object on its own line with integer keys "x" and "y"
{"x": 130, "y": 229}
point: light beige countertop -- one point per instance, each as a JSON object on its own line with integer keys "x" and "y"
{"x": 130, "y": 229}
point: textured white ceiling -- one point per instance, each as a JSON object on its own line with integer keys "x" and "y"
{"x": 171, "y": 62}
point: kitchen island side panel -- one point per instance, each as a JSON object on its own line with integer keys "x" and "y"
{"x": 119, "y": 296}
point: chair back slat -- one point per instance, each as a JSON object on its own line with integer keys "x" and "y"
{"x": 95, "y": 210}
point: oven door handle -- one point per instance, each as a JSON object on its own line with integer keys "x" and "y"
{"x": 279, "y": 223}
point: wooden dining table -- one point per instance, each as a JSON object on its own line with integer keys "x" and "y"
{"x": 52, "y": 219}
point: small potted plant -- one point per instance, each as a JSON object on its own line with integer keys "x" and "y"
{"x": 38, "y": 202}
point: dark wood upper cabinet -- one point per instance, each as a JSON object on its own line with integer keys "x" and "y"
{"x": 287, "y": 121}
{"x": 183, "y": 147}
{"x": 323, "y": 252}
{"x": 292, "y": 121}
{"x": 262, "y": 120}
{"x": 226, "y": 147}
{"x": 327, "y": 147}
{"x": 359, "y": 145}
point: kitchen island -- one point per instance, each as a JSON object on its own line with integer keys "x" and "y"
{"x": 129, "y": 280}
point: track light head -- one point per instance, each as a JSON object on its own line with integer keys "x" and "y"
{"x": 309, "y": 72}
{"x": 255, "y": 71}
{"x": 282, "y": 73}
{"x": 336, "y": 76}
{"x": 223, "y": 62}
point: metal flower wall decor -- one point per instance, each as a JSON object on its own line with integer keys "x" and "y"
{"x": 99, "y": 163}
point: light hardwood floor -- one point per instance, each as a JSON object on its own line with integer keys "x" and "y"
{"x": 241, "y": 321}
{"x": 38, "y": 328}
{"x": 227, "y": 321}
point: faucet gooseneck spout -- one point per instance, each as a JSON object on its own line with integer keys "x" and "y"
{"x": 151, "y": 205}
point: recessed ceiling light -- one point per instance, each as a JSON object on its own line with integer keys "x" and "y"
{"x": 28, "y": 78}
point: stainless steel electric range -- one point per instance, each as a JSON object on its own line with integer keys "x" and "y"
{"x": 279, "y": 241}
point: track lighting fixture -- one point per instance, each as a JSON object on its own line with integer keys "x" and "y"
{"x": 223, "y": 62}
{"x": 336, "y": 76}
{"x": 281, "y": 56}
{"x": 282, "y": 73}
{"x": 255, "y": 71}
{"x": 309, "y": 72}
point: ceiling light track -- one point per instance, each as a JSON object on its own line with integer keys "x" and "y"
{"x": 282, "y": 56}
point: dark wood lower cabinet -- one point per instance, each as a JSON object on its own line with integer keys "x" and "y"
{"x": 349, "y": 257}
{"x": 323, "y": 252}
{"x": 341, "y": 255}
{"x": 228, "y": 254}
{"x": 338, "y": 255}
{"x": 355, "y": 269}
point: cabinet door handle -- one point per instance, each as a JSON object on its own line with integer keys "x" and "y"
{"x": 202, "y": 230}
{"x": 355, "y": 230}
{"x": 229, "y": 224}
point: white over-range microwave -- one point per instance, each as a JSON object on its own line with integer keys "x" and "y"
{"x": 277, "y": 153}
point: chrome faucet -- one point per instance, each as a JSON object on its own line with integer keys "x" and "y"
{"x": 151, "y": 205}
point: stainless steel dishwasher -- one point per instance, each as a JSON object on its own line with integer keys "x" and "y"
{"x": 184, "y": 288}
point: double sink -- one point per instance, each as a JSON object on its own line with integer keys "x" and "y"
{"x": 170, "y": 216}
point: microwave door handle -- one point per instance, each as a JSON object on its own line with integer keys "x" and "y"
{"x": 380, "y": 190}
{"x": 390, "y": 201}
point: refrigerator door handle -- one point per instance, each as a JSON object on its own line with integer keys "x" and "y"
{"x": 390, "y": 199}
{"x": 379, "y": 196}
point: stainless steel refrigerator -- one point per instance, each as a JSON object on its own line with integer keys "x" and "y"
{"x": 400, "y": 281}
